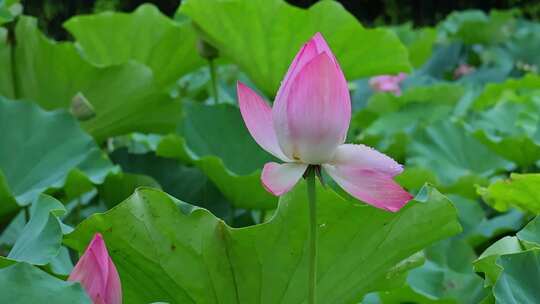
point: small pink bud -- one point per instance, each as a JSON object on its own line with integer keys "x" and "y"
{"x": 463, "y": 70}
{"x": 97, "y": 274}
{"x": 387, "y": 83}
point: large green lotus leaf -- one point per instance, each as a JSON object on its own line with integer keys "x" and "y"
{"x": 496, "y": 226}
{"x": 392, "y": 132}
{"x": 136, "y": 143}
{"x": 187, "y": 183}
{"x": 61, "y": 265}
{"x": 146, "y": 36}
{"x": 496, "y": 58}
{"x": 404, "y": 294}
{"x": 397, "y": 276}
{"x": 465, "y": 186}
{"x": 509, "y": 129}
{"x": 438, "y": 94}
{"x": 524, "y": 44}
{"x": 519, "y": 279}
{"x": 40, "y": 240}
{"x": 125, "y": 97}
{"x": 470, "y": 214}
{"x": 209, "y": 262}
{"x": 9, "y": 10}
{"x": 11, "y": 232}
{"x": 477, "y": 228}
{"x": 530, "y": 234}
{"x": 39, "y": 149}
{"x": 475, "y": 27}
{"x": 6, "y": 81}
{"x": 486, "y": 74}
{"x": 444, "y": 59}
{"x": 8, "y": 203}
{"x": 257, "y": 35}
{"x": 220, "y": 130}
{"x": 391, "y": 287}
{"x": 447, "y": 274}
{"x": 388, "y": 121}
{"x": 77, "y": 182}
{"x": 510, "y": 90}
{"x": 414, "y": 178}
{"x": 419, "y": 42}
{"x": 216, "y": 140}
{"x": 22, "y": 283}
{"x": 117, "y": 187}
{"x": 447, "y": 149}
{"x": 486, "y": 263}
{"x": 521, "y": 191}
{"x": 197, "y": 86}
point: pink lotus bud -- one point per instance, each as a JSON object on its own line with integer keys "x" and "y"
{"x": 387, "y": 83}
{"x": 308, "y": 125}
{"x": 463, "y": 70}
{"x": 97, "y": 274}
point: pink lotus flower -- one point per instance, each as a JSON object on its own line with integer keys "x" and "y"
{"x": 308, "y": 125}
{"x": 97, "y": 274}
{"x": 387, "y": 83}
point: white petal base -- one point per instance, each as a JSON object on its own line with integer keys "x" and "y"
{"x": 279, "y": 179}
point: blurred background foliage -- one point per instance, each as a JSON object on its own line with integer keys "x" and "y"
{"x": 467, "y": 121}
{"x": 52, "y": 13}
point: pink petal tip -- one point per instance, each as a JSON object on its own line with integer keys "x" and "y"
{"x": 96, "y": 272}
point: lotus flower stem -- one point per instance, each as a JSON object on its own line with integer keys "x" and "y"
{"x": 213, "y": 77}
{"x": 312, "y": 278}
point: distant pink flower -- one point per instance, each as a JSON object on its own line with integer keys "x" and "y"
{"x": 387, "y": 83}
{"x": 308, "y": 125}
{"x": 97, "y": 274}
{"x": 463, "y": 70}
